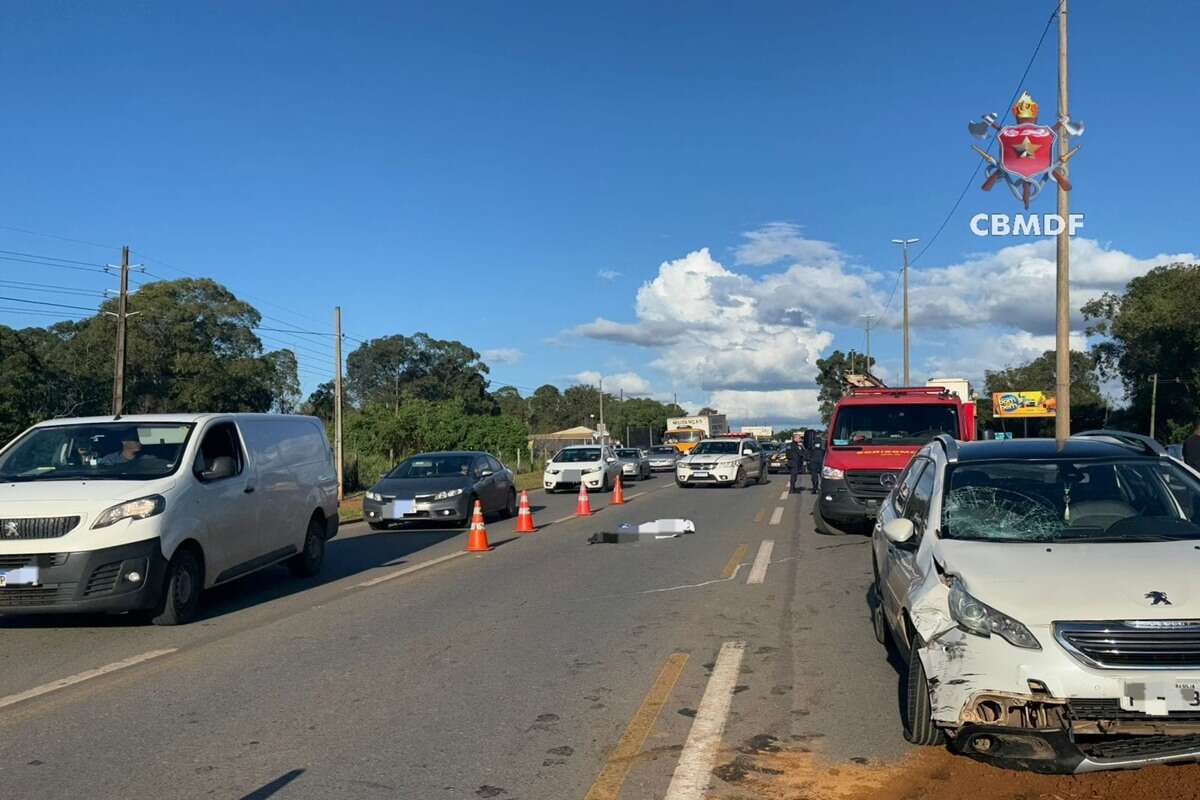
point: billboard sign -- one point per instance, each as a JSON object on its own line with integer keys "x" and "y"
{"x": 1023, "y": 405}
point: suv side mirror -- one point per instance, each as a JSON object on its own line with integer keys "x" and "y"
{"x": 899, "y": 530}
{"x": 221, "y": 467}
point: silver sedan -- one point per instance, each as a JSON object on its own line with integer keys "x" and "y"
{"x": 634, "y": 463}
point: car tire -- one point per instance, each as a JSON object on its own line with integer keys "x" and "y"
{"x": 378, "y": 526}
{"x": 465, "y": 522}
{"x": 917, "y": 712}
{"x": 606, "y": 486}
{"x": 308, "y": 561}
{"x": 510, "y": 507}
{"x": 683, "y": 484}
{"x": 878, "y": 619}
{"x": 739, "y": 480}
{"x": 180, "y": 598}
{"x": 762, "y": 477}
{"x": 821, "y": 525}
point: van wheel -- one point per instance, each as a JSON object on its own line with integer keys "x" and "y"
{"x": 308, "y": 562}
{"x": 180, "y": 598}
{"x": 918, "y": 716}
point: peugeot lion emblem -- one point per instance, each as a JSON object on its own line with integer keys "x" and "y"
{"x": 1157, "y": 598}
{"x": 11, "y": 531}
{"x": 887, "y": 480}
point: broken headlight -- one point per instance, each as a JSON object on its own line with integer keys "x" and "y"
{"x": 981, "y": 619}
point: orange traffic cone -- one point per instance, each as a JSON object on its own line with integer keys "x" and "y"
{"x": 525, "y": 515}
{"x": 477, "y": 538}
{"x": 618, "y": 495}
{"x": 583, "y": 506}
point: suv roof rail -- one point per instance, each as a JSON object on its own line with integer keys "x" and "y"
{"x": 950, "y": 445}
{"x": 1146, "y": 443}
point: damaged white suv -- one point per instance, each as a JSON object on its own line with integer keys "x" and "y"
{"x": 1047, "y": 601}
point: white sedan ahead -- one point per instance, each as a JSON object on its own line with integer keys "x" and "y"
{"x": 727, "y": 462}
{"x": 595, "y": 466}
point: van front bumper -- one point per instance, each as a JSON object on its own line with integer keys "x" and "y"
{"x": 841, "y": 507}
{"x": 88, "y": 581}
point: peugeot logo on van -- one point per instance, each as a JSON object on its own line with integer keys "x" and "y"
{"x": 887, "y": 480}
{"x": 11, "y": 529}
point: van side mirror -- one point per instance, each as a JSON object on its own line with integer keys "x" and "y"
{"x": 899, "y": 530}
{"x": 221, "y": 467}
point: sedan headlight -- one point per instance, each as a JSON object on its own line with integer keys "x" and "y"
{"x": 590, "y": 470}
{"x": 832, "y": 473}
{"x": 552, "y": 471}
{"x": 131, "y": 509}
{"x": 374, "y": 497}
{"x": 447, "y": 494}
{"x": 981, "y": 619}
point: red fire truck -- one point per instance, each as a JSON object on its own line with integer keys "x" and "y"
{"x": 871, "y": 437}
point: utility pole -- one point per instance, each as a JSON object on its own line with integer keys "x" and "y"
{"x": 867, "y": 325}
{"x": 904, "y": 243}
{"x": 603, "y": 431}
{"x": 337, "y": 399}
{"x": 1062, "y": 335}
{"x": 1153, "y": 404}
{"x": 118, "y": 398}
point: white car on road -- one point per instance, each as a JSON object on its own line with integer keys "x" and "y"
{"x": 595, "y": 466}
{"x": 727, "y": 462}
{"x": 1045, "y": 601}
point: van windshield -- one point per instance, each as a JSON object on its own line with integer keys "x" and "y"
{"x": 893, "y": 423}
{"x": 97, "y": 451}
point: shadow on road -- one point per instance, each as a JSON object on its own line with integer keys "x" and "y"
{"x": 272, "y": 788}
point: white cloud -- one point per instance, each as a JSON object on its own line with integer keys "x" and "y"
{"x": 788, "y": 405}
{"x": 502, "y": 355}
{"x": 976, "y": 353}
{"x": 629, "y": 382}
{"x": 779, "y": 241}
{"x": 608, "y": 274}
{"x": 1014, "y": 286}
{"x": 718, "y": 329}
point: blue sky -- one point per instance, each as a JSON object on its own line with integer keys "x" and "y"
{"x": 472, "y": 170}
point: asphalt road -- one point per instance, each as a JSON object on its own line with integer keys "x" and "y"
{"x": 546, "y": 668}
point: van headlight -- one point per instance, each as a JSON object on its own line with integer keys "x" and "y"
{"x": 981, "y": 619}
{"x": 446, "y": 495}
{"x": 131, "y": 509}
{"x": 832, "y": 473}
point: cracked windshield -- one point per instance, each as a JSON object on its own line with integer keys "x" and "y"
{"x": 623, "y": 401}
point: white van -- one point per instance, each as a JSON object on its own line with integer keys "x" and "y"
{"x": 110, "y": 514}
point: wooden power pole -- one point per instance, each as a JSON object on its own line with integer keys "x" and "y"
{"x": 118, "y": 397}
{"x": 337, "y": 400}
{"x": 1062, "y": 337}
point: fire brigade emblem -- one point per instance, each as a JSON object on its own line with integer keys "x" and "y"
{"x": 1027, "y": 159}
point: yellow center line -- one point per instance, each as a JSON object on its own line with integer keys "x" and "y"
{"x": 734, "y": 560}
{"x": 608, "y": 784}
{"x": 758, "y": 518}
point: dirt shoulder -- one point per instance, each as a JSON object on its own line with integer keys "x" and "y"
{"x": 753, "y": 772}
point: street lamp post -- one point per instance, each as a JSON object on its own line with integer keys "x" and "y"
{"x": 904, "y": 243}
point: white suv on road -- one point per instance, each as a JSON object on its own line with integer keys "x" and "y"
{"x": 1046, "y": 601}
{"x": 729, "y": 462}
{"x": 595, "y": 466}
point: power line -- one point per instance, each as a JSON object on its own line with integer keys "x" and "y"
{"x": 992, "y": 140}
{"x": 97, "y": 269}
{"x": 60, "y": 238}
{"x": 45, "y": 287}
{"x": 59, "y": 315}
{"x": 46, "y": 303}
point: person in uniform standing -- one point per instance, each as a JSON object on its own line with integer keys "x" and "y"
{"x": 795, "y": 458}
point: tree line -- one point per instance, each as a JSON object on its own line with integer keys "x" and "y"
{"x": 1151, "y": 328}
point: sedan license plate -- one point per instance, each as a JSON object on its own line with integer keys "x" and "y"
{"x": 401, "y": 507}
{"x": 25, "y": 576}
{"x": 699, "y": 474}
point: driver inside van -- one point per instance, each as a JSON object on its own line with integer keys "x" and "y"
{"x": 131, "y": 446}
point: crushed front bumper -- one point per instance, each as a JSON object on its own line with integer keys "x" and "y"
{"x": 1059, "y": 751}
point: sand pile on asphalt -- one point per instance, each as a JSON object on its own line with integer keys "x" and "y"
{"x": 933, "y": 775}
